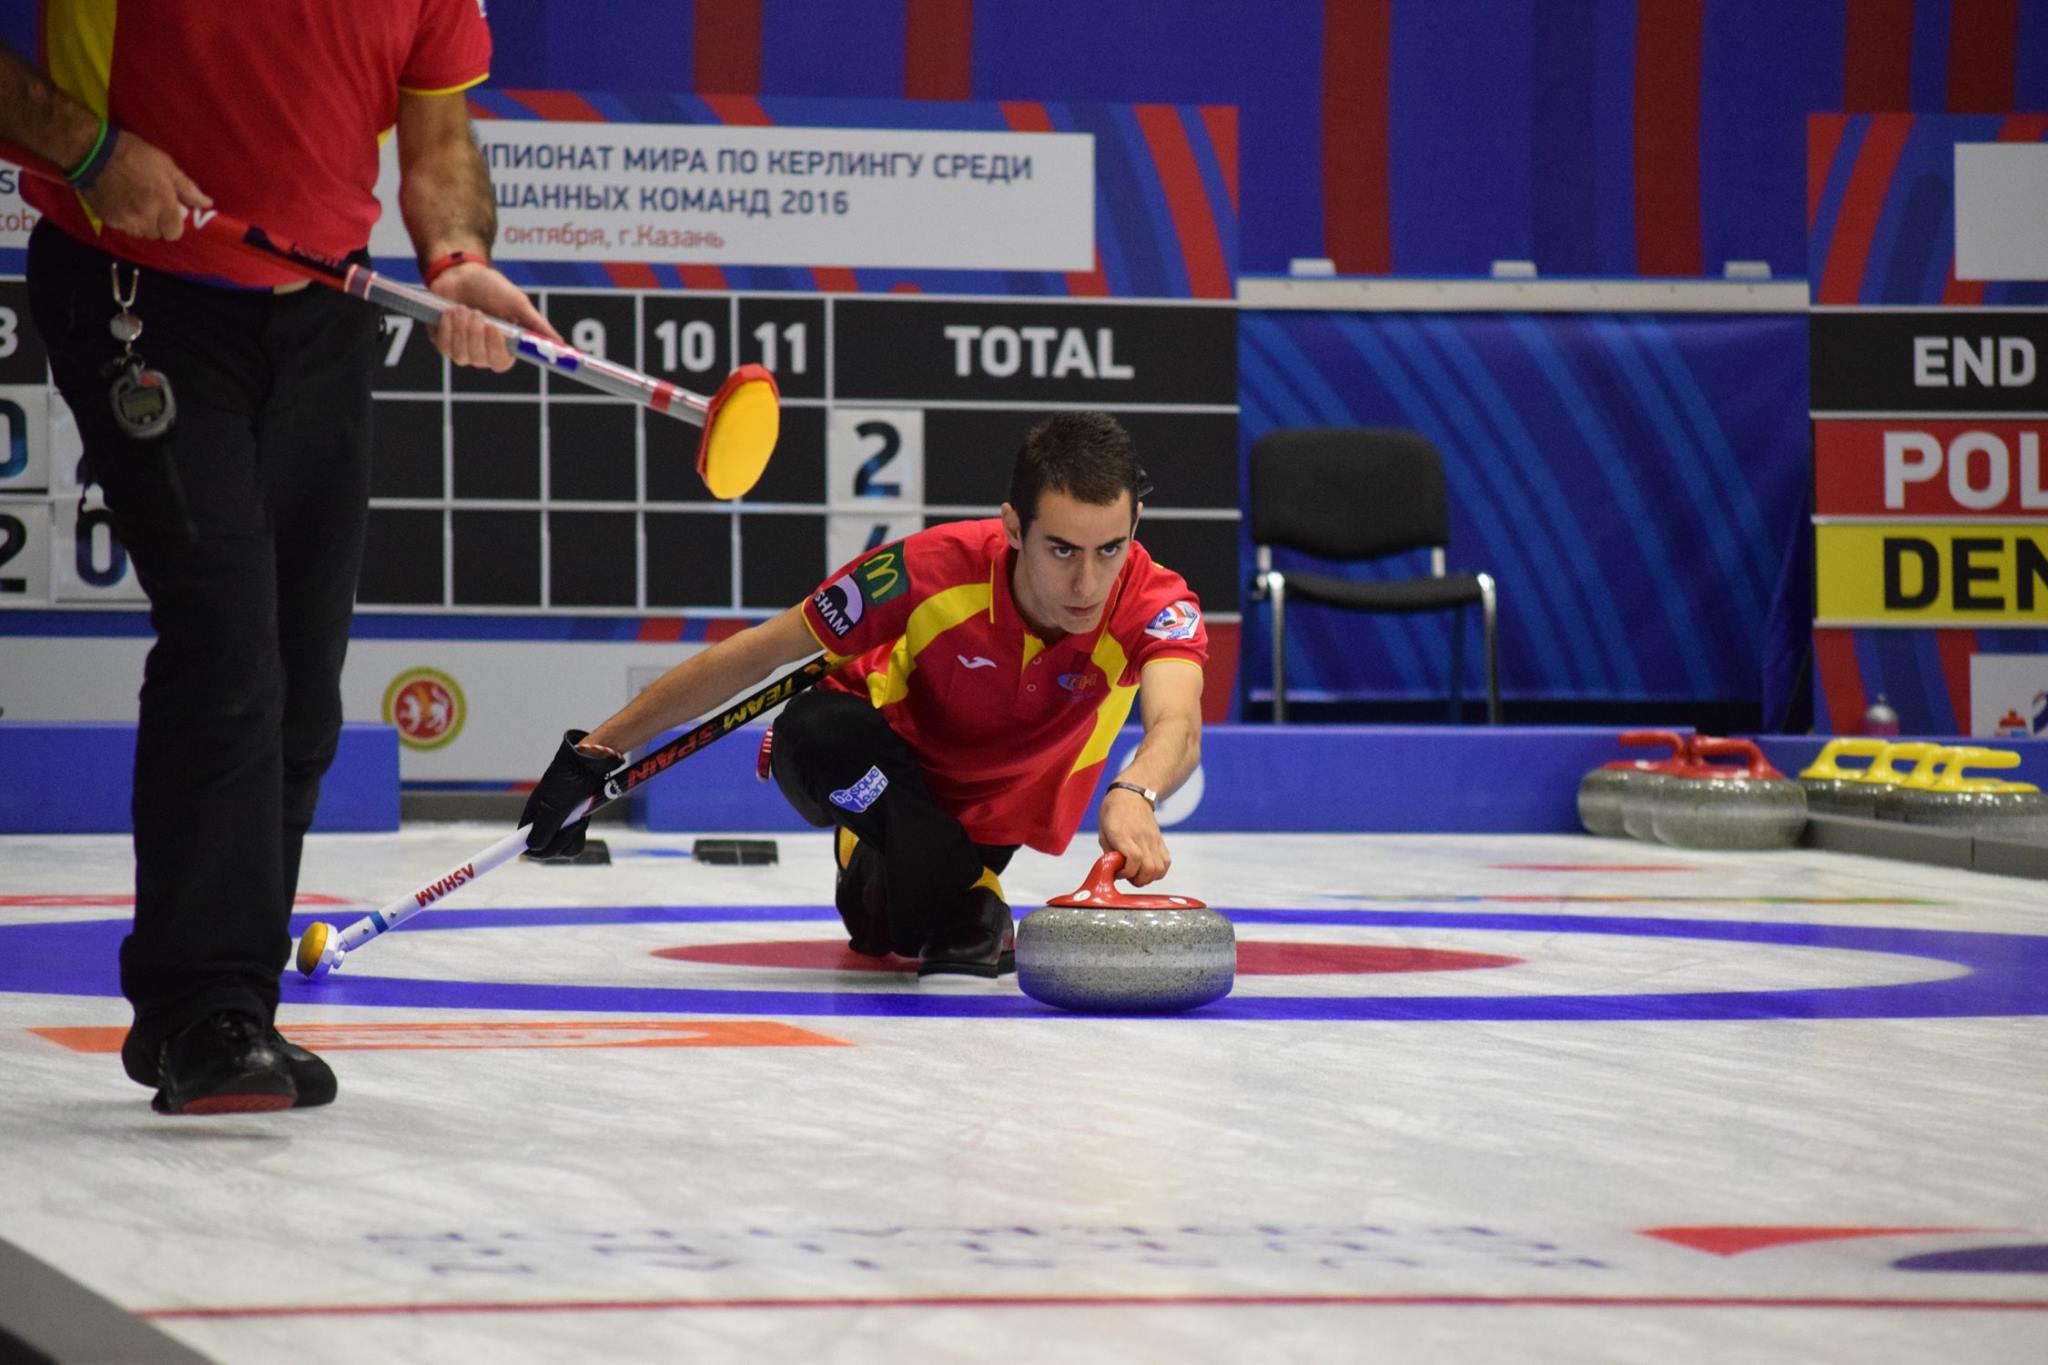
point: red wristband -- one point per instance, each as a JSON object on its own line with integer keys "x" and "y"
{"x": 441, "y": 265}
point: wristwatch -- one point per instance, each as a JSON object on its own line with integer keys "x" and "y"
{"x": 1151, "y": 797}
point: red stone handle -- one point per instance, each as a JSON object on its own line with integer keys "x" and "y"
{"x": 1101, "y": 881}
{"x": 1754, "y": 764}
{"x": 1681, "y": 750}
{"x": 1099, "y": 892}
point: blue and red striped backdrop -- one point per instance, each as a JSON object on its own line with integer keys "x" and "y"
{"x": 1924, "y": 675}
{"x": 1610, "y": 137}
{"x": 1880, "y": 206}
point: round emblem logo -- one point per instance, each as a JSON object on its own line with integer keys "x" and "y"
{"x": 426, "y": 706}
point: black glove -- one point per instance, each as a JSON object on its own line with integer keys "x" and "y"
{"x": 570, "y": 780}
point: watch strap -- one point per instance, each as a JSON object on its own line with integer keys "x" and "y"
{"x": 1151, "y": 797}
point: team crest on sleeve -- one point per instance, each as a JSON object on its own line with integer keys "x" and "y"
{"x": 1177, "y": 622}
{"x": 840, "y": 605}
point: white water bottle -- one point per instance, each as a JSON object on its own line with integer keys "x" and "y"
{"x": 1880, "y": 719}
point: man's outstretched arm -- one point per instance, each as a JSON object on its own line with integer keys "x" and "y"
{"x": 1170, "y": 705}
{"x": 689, "y": 690}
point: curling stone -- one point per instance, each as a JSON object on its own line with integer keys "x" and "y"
{"x": 1983, "y": 805}
{"x": 1859, "y": 798}
{"x": 1750, "y": 806}
{"x": 1914, "y": 786}
{"x": 1103, "y": 949}
{"x": 1604, "y": 793}
{"x": 1641, "y": 800}
{"x": 1829, "y": 786}
{"x": 1638, "y": 813}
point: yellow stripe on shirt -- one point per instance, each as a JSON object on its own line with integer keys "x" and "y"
{"x": 78, "y": 42}
{"x": 448, "y": 89}
{"x": 1108, "y": 656}
{"x": 930, "y": 619}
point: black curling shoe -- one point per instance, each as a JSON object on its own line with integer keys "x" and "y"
{"x": 313, "y": 1077}
{"x": 227, "y": 1063}
{"x": 979, "y": 941}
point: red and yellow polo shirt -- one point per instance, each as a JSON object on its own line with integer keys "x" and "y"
{"x": 1012, "y": 732}
{"x": 275, "y": 109}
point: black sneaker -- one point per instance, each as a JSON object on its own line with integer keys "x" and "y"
{"x": 979, "y": 941}
{"x": 224, "y": 1064}
{"x": 313, "y": 1077}
{"x": 858, "y": 896}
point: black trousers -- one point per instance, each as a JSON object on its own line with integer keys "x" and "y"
{"x": 838, "y": 763}
{"x": 245, "y": 526}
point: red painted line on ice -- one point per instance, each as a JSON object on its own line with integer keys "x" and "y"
{"x": 1590, "y": 867}
{"x": 1734, "y": 1240}
{"x": 314, "y": 1310}
{"x": 418, "y": 1035}
{"x": 54, "y": 900}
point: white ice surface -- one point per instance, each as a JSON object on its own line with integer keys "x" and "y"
{"x": 1062, "y": 1188}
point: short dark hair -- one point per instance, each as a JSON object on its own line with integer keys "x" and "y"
{"x": 1086, "y": 455}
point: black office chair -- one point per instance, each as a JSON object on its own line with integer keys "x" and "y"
{"x": 1350, "y": 494}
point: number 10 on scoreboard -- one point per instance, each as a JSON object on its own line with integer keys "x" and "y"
{"x": 874, "y": 474}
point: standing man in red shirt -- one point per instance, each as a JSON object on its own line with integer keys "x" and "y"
{"x": 983, "y": 671}
{"x": 242, "y": 503}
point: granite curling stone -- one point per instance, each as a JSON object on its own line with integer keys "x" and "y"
{"x": 1605, "y": 792}
{"x": 1749, "y": 807}
{"x": 1832, "y": 789}
{"x": 1860, "y": 798}
{"x": 1100, "y": 949}
{"x": 1982, "y": 805}
{"x": 1641, "y": 803}
{"x": 1913, "y": 788}
{"x": 1639, "y": 807}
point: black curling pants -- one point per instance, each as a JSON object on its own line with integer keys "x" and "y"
{"x": 838, "y": 763}
{"x": 245, "y": 526}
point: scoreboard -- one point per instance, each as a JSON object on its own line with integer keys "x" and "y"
{"x": 527, "y": 493}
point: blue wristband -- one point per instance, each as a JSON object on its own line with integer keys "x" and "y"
{"x": 88, "y": 172}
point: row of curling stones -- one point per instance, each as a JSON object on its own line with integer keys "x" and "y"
{"x": 1688, "y": 800}
{"x": 1101, "y": 949}
{"x": 1604, "y": 792}
{"x": 1937, "y": 790}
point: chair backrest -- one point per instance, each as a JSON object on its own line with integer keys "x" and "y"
{"x": 1348, "y": 492}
